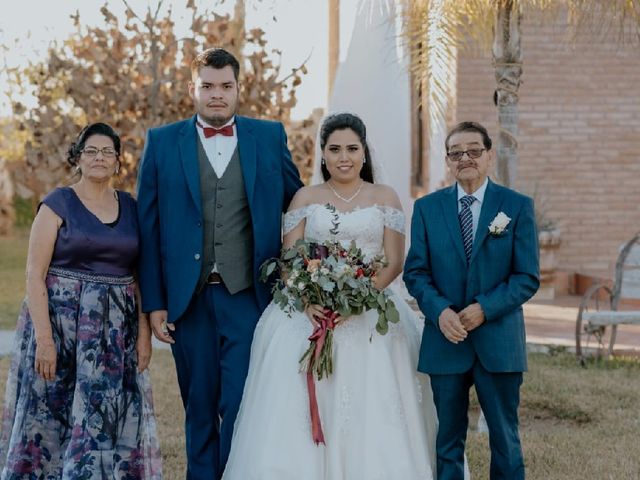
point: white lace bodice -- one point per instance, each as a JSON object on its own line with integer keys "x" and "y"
{"x": 364, "y": 225}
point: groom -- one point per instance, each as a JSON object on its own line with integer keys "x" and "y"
{"x": 211, "y": 192}
{"x": 472, "y": 263}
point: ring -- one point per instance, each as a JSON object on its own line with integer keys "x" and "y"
{"x": 165, "y": 330}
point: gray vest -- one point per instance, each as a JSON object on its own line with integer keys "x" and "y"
{"x": 227, "y": 233}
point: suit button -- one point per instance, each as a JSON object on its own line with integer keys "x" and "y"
{"x": 196, "y": 256}
{"x": 219, "y": 205}
{"x": 199, "y": 224}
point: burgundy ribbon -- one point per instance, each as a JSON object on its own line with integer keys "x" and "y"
{"x": 319, "y": 335}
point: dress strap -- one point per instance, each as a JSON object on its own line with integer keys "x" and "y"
{"x": 393, "y": 218}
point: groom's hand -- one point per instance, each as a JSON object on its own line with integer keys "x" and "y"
{"x": 451, "y": 326}
{"x": 161, "y": 329}
{"x": 472, "y": 316}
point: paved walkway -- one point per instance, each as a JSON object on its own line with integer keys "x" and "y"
{"x": 553, "y": 323}
{"x": 548, "y": 323}
{"x": 6, "y": 342}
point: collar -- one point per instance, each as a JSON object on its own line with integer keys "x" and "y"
{"x": 478, "y": 194}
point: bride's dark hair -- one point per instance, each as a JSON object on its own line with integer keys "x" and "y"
{"x": 343, "y": 121}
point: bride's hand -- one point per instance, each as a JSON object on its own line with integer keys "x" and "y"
{"x": 339, "y": 319}
{"x": 313, "y": 311}
{"x": 375, "y": 281}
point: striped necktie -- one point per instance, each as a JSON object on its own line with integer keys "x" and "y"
{"x": 466, "y": 224}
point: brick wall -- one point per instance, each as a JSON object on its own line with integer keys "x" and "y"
{"x": 579, "y": 135}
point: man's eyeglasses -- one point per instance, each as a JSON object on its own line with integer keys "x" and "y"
{"x": 456, "y": 156}
{"x": 107, "y": 152}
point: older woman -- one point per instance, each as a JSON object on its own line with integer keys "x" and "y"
{"x": 77, "y": 402}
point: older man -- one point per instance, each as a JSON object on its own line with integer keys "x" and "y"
{"x": 472, "y": 263}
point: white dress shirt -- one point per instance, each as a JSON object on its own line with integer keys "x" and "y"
{"x": 475, "y": 206}
{"x": 218, "y": 148}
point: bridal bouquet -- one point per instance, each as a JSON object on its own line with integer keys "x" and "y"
{"x": 339, "y": 279}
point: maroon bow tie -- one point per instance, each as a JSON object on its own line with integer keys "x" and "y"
{"x": 226, "y": 131}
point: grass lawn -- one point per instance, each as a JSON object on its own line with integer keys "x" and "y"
{"x": 13, "y": 259}
{"x": 576, "y": 422}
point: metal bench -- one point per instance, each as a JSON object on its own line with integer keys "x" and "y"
{"x": 599, "y": 306}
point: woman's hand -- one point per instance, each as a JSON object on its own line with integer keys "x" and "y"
{"x": 313, "y": 311}
{"x": 143, "y": 345}
{"x": 46, "y": 358}
{"x": 375, "y": 282}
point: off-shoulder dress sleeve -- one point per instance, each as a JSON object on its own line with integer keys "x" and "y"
{"x": 293, "y": 218}
{"x": 393, "y": 219}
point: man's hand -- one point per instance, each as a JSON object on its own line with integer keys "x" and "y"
{"x": 451, "y": 326}
{"x": 472, "y": 316}
{"x": 160, "y": 327}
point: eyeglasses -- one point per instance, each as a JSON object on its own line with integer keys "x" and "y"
{"x": 472, "y": 152}
{"x": 107, "y": 152}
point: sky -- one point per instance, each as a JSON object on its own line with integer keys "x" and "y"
{"x": 300, "y": 30}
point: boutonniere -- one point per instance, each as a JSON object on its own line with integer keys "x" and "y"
{"x": 499, "y": 224}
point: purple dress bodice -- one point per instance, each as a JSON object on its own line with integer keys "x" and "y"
{"x": 85, "y": 244}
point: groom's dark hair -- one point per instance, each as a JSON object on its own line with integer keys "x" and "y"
{"x": 470, "y": 127}
{"x": 344, "y": 121}
{"x": 216, "y": 58}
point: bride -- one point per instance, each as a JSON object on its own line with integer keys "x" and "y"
{"x": 376, "y": 410}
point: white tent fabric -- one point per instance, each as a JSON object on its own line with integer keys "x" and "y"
{"x": 373, "y": 82}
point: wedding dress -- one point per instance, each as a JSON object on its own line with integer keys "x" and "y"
{"x": 376, "y": 410}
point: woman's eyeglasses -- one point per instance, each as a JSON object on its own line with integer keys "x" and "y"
{"x": 107, "y": 152}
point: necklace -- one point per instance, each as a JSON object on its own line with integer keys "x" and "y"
{"x": 346, "y": 200}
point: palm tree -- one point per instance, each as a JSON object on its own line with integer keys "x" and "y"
{"x": 436, "y": 29}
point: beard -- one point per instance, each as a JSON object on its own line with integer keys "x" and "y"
{"x": 219, "y": 118}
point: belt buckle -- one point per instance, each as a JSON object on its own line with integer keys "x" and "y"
{"x": 214, "y": 279}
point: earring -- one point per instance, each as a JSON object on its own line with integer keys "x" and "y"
{"x": 77, "y": 170}
{"x": 364, "y": 160}
{"x": 322, "y": 161}
{"x": 117, "y": 169}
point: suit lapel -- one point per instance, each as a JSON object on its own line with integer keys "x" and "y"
{"x": 490, "y": 205}
{"x": 248, "y": 155}
{"x": 450, "y": 209}
{"x": 189, "y": 157}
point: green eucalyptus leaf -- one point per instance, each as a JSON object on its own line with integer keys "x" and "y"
{"x": 391, "y": 313}
{"x": 290, "y": 254}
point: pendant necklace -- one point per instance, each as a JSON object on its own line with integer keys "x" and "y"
{"x": 346, "y": 200}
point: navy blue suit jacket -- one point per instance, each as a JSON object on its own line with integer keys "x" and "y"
{"x": 170, "y": 207}
{"x": 501, "y": 275}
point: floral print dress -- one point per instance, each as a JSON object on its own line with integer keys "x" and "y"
{"x": 95, "y": 419}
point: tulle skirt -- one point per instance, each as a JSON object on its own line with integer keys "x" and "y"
{"x": 377, "y": 411}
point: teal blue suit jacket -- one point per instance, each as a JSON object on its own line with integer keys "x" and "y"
{"x": 170, "y": 207}
{"x": 502, "y": 274}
